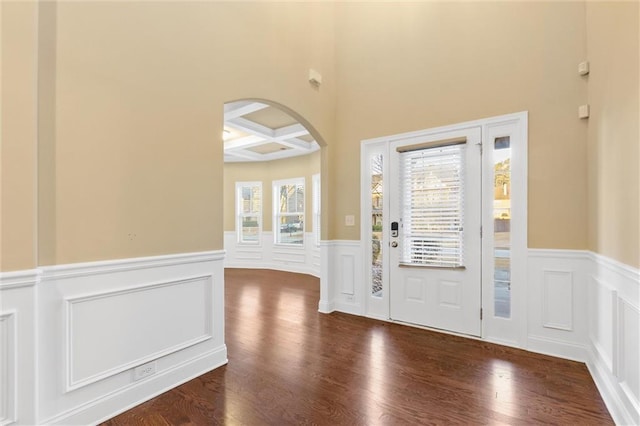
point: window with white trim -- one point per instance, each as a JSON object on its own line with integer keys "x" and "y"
{"x": 501, "y": 154}
{"x": 316, "y": 208}
{"x": 432, "y": 194}
{"x": 288, "y": 211}
{"x": 248, "y": 212}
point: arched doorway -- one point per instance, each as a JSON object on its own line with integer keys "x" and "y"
{"x": 272, "y": 188}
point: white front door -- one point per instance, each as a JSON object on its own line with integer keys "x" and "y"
{"x": 435, "y": 230}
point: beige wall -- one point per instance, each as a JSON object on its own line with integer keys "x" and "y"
{"x": 614, "y": 135}
{"x": 131, "y": 97}
{"x": 139, "y": 94}
{"x": 18, "y": 137}
{"x": 411, "y": 66}
{"x": 266, "y": 172}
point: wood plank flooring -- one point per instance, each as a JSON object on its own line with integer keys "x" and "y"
{"x": 290, "y": 365}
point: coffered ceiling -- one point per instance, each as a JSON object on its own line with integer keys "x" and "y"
{"x": 254, "y": 131}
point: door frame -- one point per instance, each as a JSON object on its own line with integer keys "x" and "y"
{"x": 507, "y": 331}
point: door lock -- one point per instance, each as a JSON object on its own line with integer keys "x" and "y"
{"x": 394, "y": 244}
{"x": 394, "y": 229}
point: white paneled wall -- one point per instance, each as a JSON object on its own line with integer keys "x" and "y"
{"x": 267, "y": 255}
{"x": 346, "y": 283}
{"x": 73, "y": 336}
{"x": 580, "y": 306}
{"x": 557, "y": 303}
{"x": 18, "y": 347}
{"x": 614, "y": 336}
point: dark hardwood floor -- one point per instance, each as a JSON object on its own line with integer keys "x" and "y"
{"x": 290, "y": 365}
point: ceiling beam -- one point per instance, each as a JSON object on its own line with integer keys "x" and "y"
{"x": 245, "y": 142}
{"x": 285, "y": 154}
{"x": 292, "y": 131}
{"x": 238, "y": 109}
{"x": 250, "y": 127}
{"x": 297, "y": 144}
{"x": 246, "y": 155}
{"x": 286, "y": 132}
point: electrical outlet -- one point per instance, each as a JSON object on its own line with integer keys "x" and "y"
{"x": 144, "y": 370}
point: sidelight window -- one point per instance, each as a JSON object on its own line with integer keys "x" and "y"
{"x": 502, "y": 226}
{"x": 377, "y": 223}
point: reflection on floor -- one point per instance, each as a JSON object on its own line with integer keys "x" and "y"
{"x": 290, "y": 365}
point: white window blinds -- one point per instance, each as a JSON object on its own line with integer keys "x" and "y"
{"x": 432, "y": 197}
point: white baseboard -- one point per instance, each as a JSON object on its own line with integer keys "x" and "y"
{"x": 609, "y": 391}
{"x": 557, "y": 348}
{"x": 108, "y": 406}
{"x": 326, "y": 307}
{"x": 349, "y": 308}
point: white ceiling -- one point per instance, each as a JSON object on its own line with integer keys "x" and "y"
{"x": 254, "y": 131}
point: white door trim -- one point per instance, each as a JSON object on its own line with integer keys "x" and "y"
{"x": 512, "y": 332}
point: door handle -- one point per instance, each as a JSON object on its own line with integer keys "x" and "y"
{"x": 394, "y": 244}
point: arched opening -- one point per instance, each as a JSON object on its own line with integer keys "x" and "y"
{"x": 272, "y": 188}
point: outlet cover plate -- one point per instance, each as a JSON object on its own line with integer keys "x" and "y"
{"x": 144, "y": 370}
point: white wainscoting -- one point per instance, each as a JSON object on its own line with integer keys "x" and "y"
{"x": 151, "y": 334}
{"x": 17, "y": 347}
{"x": 8, "y": 371}
{"x": 344, "y": 278}
{"x": 557, "y": 303}
{"x": 267, "y": 255}
{"x": 614, "y": 336}
{"x": 580, "y": 306}
{"x": 98, "y": 321}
